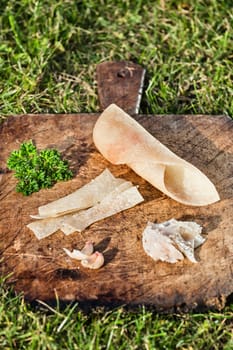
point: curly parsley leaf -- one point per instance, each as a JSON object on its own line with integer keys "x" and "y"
{"x": 36, "y": 170}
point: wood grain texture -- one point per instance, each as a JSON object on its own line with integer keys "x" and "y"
{"x": 41, "y": 268}
{"x": 121, "y": 83}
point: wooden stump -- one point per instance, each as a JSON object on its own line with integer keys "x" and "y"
{"x": 120, "y": 83}
{"x": 41, "y": 269}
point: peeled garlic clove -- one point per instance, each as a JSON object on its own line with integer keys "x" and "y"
{"x": 94, "y": 261}
{"x": 88, "y": 249}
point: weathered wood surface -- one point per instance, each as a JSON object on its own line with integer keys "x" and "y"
{"x": 120, "y": 83}
{"x": 41, "y": 269}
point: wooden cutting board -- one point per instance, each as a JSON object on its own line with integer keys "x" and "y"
{"x": 41, "y": 269}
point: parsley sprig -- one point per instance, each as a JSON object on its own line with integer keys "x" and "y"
{"x": 36, "y": 170}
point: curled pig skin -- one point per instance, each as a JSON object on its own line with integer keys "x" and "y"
{"x": 122, "y": 140}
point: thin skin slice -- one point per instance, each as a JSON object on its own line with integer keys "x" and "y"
{"x": 110, "y": 204}
{"x": 46, "y": 227}
{"x": 85, "y": 197}
{"x": 122, "y": 140}
{"x": 115, "y": 202}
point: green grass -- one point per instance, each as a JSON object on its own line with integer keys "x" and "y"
{"x": 49, "y": 50}
{"x": 25, "y": 327}
{"x": 48, "y": 55}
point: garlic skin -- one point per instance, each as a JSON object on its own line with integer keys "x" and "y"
{"x": 94, "y": 261}
{"x": 81, "y": 254}
{"x": 75, "y": 254}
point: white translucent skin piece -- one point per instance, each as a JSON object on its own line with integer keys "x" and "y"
{"x": 122, "y": 140}
{"x": 159, "y": 247}
{"x": 188, "y": 230}
{"x": 85, "y": 197}
{"x": 165, "y": 240}
{"x": 113, "y": 203}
